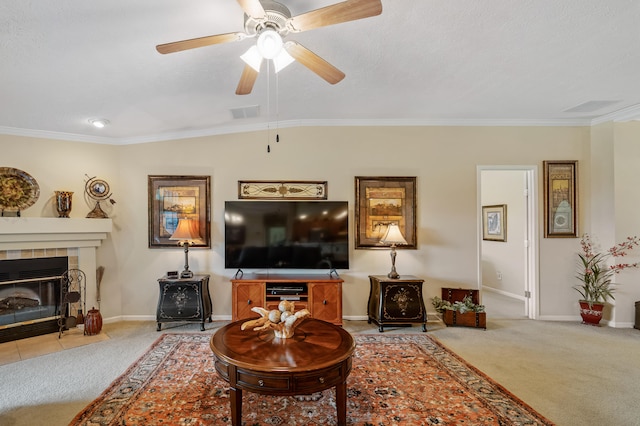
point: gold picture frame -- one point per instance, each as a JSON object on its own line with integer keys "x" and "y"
{"x": 279, "y": 189}
{"x": 494, "y": 223}
{"x": 175, "y": 197}
{"x": 381, "y": 201}
{"x": 560, "y": 199}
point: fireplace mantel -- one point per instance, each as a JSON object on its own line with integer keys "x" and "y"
{"x": 18, "y": 233}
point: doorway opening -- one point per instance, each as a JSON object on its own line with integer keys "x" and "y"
{"x": 508, "y": 266}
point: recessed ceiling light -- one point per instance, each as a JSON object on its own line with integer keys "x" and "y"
{"x": 99, "y": 122}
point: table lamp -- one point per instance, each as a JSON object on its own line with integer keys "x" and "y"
{"x": 186, "y": 232}
{"x": 394, "y": 237}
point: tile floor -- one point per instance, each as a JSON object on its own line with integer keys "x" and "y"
{"x": 31, "y": 347}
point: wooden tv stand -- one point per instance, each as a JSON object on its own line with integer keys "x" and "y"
{"x": 320, "y": 294}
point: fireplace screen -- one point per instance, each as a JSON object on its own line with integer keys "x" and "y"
{"x": 29, "y": 300}
{"x": 30, "y": 296}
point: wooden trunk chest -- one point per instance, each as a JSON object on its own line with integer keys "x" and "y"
{"x": 467, "y": 319}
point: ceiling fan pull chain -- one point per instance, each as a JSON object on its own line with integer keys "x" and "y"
{"x": 268, "y": 105}
{"x": 277, "y": 108}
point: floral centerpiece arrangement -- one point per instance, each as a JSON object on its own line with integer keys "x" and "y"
{"x": 595, "y": 273}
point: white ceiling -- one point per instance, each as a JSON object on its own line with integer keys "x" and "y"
{"x": 421, "y": 62}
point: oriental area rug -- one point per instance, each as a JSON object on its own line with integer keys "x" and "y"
{"x": 396, "y": 380}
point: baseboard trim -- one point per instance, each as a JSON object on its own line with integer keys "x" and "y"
{"x": 504, "y": 293}
{"x": 430, "y": 317}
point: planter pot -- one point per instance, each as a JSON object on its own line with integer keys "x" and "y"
{"x": 92, "y": 322}
{"x": 591, "y": 314}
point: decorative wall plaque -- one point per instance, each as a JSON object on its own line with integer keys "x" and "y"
{"x": 276, "y": 190}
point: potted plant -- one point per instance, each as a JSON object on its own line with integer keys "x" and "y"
{"x": 596, "y": 275}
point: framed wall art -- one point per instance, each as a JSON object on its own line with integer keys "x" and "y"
{"x": 560, "y": 199}
{"x": 494, "y": 222}
{"x": 277, "y": 190}
{"x": 381, "y": 201}
{"x": 178, "y": 197}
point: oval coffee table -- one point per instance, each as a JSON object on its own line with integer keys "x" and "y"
{"x": 316, "y": 358}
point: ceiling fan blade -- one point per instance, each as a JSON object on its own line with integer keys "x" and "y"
{"x": 253, "y": 8}
{"x": 314, "y": 62}
{"x": 178, "y": 46}
{"x": 338, "y": 13}
{"x": 247, "y": 79}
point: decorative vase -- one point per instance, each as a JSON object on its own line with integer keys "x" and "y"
{"x": 92, "y": 322}
{"x": 63, "y": 203}
{"x": 591, "y": 314}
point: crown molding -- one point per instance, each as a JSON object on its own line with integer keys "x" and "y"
{"x": 44, "y": 134}
{"x": 255, "y": 127}
{"x": 626, "y": 114}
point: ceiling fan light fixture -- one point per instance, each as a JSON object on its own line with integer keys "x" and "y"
{"x": 252, "y": 58}
{"x": 269, "y": 43}
{"x": 281, "y": 61}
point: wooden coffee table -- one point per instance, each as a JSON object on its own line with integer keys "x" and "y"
{"x": 316, "y": 358}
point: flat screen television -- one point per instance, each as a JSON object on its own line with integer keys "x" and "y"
{"x": 286, "y": 234}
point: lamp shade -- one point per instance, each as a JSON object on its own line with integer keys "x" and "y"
{"x": 269, "y": 43}
{"x": 252, "y": 58}
{"x": 393, "y": 236}
{"x": 187, "y": 230}
{"x": 282, "y": 60}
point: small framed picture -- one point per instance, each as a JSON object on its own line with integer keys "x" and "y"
{"x": 494, "y": 223}
{"x": 178, "y": 197}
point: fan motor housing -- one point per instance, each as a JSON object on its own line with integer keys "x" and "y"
{"x": 277, "y": 16}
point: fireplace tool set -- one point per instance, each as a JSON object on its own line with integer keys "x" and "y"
{"x": 72, "y": 300}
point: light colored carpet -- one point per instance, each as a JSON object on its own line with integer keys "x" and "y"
{"x": 571, "y": 373}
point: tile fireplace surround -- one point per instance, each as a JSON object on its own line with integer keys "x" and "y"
{"x": 78, "y": 239}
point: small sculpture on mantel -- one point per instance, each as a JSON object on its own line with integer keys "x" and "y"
{"x": 98, "y": 189}
{"x": 282, "y": 321}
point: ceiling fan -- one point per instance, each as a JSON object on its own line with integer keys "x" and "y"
{"x": 270, "y": 22}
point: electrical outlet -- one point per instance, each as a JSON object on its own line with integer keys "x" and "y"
{"x": 499, "y": 275}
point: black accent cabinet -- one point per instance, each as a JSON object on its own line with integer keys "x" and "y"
{"x": 396, "y": 301}
{"x": 184, "y": 299}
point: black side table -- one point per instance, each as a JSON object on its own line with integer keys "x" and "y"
{"x": 396, "y": 301}
{"x": 184, "y": 299}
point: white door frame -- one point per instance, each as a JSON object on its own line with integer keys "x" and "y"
{"x": 531, "y": 261}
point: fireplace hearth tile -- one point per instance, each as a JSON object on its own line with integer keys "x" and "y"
{"x": 31, "y": 347}
{"x": 39, "y": 345}
{"x": 9, "y": 353}
{"x": 75, "y": 337}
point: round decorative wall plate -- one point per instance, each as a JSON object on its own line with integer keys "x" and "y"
{"x": 18, "y": 189}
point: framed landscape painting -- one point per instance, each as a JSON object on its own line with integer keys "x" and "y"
{"x": 381, "y": 201}
{"x": 178, "y": 197}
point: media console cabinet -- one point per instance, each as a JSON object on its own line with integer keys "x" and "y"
{"x": 320, "y": 294}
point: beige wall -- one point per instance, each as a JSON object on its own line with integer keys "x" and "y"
{"x": 444, "y": 159}
{"x": 626, "y": 174}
